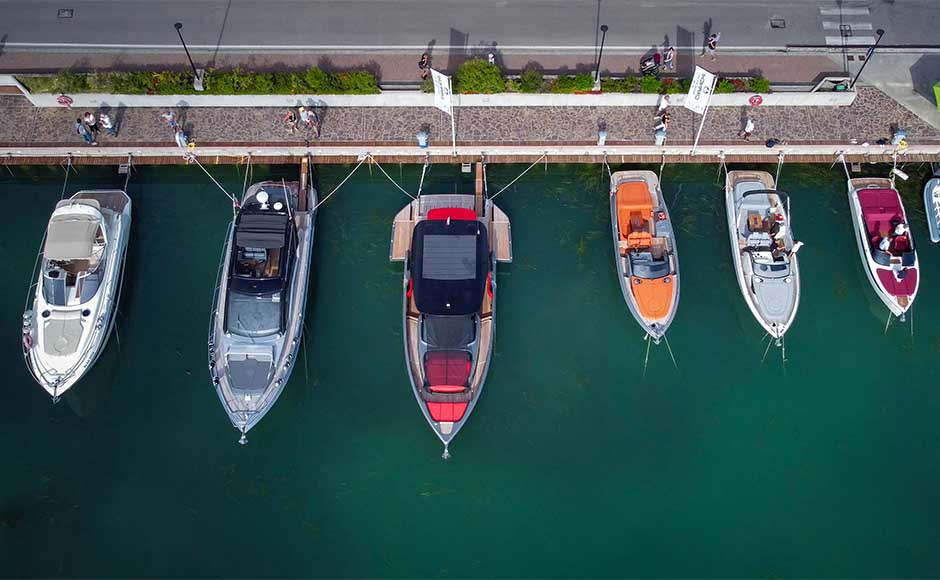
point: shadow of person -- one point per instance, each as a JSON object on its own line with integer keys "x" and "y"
{"x": 706, "y": 32}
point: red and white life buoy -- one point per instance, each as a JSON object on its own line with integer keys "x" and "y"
{"x": 65, "y": 100}
{"x": 756, "y": 100}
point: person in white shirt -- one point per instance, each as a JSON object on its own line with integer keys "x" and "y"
{"x": 105, "y": 120}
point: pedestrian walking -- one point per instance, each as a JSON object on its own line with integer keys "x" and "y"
{"x": 491, "y": 58}
{"x": 180, "y": 137}
{"x": 105, "y": 121}
{"x": 169, "y": 117}
{"x": 92, "y": 121}
{"x": 669, "y": 58}
{"x": 424, "y": 64}
{"x": 663, "y": 103}
{"x": 712, "y": 46}
{"x": 747, "y": 130}
{"x": 290, "y": 119}
{"x": 82, "y": 130}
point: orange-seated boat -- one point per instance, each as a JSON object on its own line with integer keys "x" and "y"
{"x": 644, "y": 250}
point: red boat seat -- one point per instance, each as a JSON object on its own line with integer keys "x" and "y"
{"x": 447, "y": 368}
{"x": 452, "y": 412}
{"x": 454, "y": 213}
{"x": 902, "y": 244}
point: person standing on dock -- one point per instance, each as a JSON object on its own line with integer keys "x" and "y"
{"x": 169, "y": 117}
{"x": 290, "y": 119}
{"x": 311, "y": 120}
{"x": 92, "y": 121}
{"x": 181, "y": 139}
{"x": 82, "y": 130}
{"x": 747, "y": 130}
{"x": 105, "y": 120}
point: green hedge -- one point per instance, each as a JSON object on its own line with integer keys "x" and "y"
{"x": 234, "y": 82}
{"x": 479, "y": 76}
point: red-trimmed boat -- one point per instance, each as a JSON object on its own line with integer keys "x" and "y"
{"x": 450, "y": 245}
{"x": 885, "y": 242}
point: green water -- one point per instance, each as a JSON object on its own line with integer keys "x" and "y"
{"x": 573, "y": 463}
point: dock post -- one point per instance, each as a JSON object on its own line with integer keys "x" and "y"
{"x": 478, "y": 199}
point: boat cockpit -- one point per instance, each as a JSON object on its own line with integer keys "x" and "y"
{"x": 73, "y": 256}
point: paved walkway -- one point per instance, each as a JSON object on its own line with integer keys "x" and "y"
{"x": 869, "y": 119}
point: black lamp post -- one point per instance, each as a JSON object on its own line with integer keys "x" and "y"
{"x": 197, "y": 76}
{"x": 597, "y": 67}
{"x": 871, "y": 50}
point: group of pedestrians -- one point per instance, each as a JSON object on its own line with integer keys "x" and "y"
{"x": 89, "y": 125}
{"x": 306, "y": 117}
{"x": 179, "y": 134}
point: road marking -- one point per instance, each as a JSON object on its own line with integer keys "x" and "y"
{"x": 844, "y": 11}
{"x": 853, "y": 25}
{"x": 850, "y": 40}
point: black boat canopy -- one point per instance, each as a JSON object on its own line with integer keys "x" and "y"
{"x": 261, "y": 230}
{"x": 449, "y": 264}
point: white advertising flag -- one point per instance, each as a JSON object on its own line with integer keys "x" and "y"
{"x": 442, "y": 94}
{"x": 700, "y": 91}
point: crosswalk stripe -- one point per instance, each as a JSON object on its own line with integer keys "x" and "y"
{"x": 850, "y": 40}
{"x": 844, "y": 11}
{"x": 827, "y": 25}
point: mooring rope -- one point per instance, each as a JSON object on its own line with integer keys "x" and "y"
{"x": 544, "y": 156}
{"x": 661, "y": 166}
{"x": 486, "y": 189}
{"x": 424, "y": 170}
{"x": 247, "y": 171}
{"x": 382, "y": 169}
{"x": 68, "y": 169}
{"x": 235, "y": 203}
{"x": 130, "y": 168}
{"x": 322, "y": 201}
{"x": 779, "y": 168}
{"x": 841, "y": 157}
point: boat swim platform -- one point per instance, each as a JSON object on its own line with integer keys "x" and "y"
{"x": 613, "y": 154}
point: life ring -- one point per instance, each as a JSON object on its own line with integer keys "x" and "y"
{"x": 65, "y": 100}
{"x": 755, "y": 100}
{"x": 661, "y": 215}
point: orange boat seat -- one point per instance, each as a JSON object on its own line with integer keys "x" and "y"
{"x": 639, "y": 240}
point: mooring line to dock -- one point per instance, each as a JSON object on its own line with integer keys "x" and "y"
{"x": 779, "y": 168}
{"x": 382, "y": 169}
{"x": 235, "y": 203}
{"x": 661, "y": 166}
{"x": 424, "y": 170}
{"x": 486, "y": 189}
{"x": 544, "y": 156}
{"x": 722, "y": 165}
{"x": 130, "y": 168}
{"x": 68, "y": 169}
{"x": 672, "y": 356}
{"x": 845, "y": 165}
{"x": 329, "y": 195}
{"x": 247, "y": 172}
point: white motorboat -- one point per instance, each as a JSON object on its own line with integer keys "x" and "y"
{"x": 763, "y": 249}
{"x": 932, "y": 205}
{"x": 77, "y": 293}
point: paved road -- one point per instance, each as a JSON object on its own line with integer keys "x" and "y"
{"x": 552, "y": 25}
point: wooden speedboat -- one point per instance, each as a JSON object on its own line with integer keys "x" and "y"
{"x": 450, "y": 245}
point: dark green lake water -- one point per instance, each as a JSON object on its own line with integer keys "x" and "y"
{"x": 573, "y": 463}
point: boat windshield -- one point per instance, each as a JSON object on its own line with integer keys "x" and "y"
{"x": 254, "y": 315}
{"x": 644, "y": 266}
{"x": 772, "y": 270}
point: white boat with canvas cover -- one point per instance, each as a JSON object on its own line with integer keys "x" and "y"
{"x": 76, "y": 295}
{"x": 932, "y": 204}
{"x": 257, "y": 318}
{"x": 763, "y": 249}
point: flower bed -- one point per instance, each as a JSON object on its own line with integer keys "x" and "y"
{"x": 477, "y": 76}
{"x": 234, "y": 82}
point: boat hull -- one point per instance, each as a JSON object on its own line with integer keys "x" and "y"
{"x": 893, "y": 303}
{"x": 243, "y": 413}
{"x": 932, "y": 208}
{"x": 775, "y": 326}
{"x": 57, "y": 374}
{"x": 655, "y": 327}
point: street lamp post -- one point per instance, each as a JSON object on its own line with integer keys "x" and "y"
{"x": 871, "y": 50}
{"x": 197, "y": 73}
{"x": 597, "y": 68}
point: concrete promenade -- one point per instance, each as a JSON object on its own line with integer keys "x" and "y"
{"x": 870, "y": 118}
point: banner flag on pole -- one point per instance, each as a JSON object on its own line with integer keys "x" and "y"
{"x": 442, "y": 92}
{"x": 700, "y": 91}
